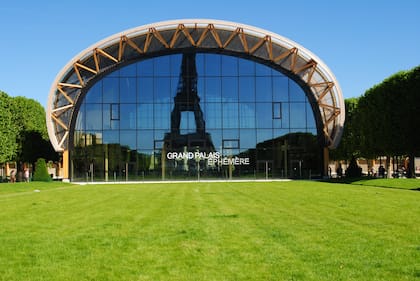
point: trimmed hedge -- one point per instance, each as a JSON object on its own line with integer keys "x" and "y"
{"x": 41, "y": 171}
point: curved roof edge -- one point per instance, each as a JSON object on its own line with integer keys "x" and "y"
{"x": 203, "y": 33}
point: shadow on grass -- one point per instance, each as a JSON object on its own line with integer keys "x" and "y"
{"x": 398, "y": 183}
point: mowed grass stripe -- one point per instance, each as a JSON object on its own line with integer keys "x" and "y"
{"x": 211, "y": 231}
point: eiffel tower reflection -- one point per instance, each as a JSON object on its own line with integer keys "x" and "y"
{"x": 187, "y": 100}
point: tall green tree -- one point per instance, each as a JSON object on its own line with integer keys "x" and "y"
{"x": 8, "y": 129}
{"x": 29, "y": 116}
{"x": 388, "y": 114}
{"x": 350, "y": 142}
{"x": 32, "y": 137}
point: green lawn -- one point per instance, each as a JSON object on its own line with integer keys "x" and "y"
{"x": 297, "y": 230}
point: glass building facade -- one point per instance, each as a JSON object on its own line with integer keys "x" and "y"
{"x": 194, "y": 116}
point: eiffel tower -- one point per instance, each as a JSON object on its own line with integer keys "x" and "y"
{"x": 187, "y": 100}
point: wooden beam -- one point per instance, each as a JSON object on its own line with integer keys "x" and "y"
{"x": 78, "y": 75}
{"x": 269, "y": 46}
{"x": 231, "y": 36}
{"x": 96, "y": 53}
{"x": 96, "y": 60}
{"x": 175, "y": 36}
{"x": 309, "y": 64}
{"x": 311, "y": 73}
{"x": 335, "y": 109}
{"x": 184, "y": 30}
{"x": 148, "y": 40}
{"x": 259, "y": 44}
{"x": 132, "y": 44}
{"x": 216, "y": 37}
{"x": 121, "y": 47}
{"x": 70, "y": 85}
{"x": 188, "y": 35}
{"x": 66, "y": 134}
{"x": 159, "y": 37}
{"x": 328, "y": 87}
{"x": 78, "y": 64}
{"x": 242, "y": 37}
{"x": 202, "y": 36}
{"x": 105, "y": 54}
{"x": 285, "y": 54}
{"x": 64, "y": 108}
{"x": 294, "y": 58}
{"x": 60, "y": 89}
{"x": 61, "y": 123}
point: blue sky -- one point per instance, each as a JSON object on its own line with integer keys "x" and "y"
{"x": 361, "y": 41}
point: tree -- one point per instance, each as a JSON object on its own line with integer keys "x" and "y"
{"x": 350, "y": 142}
{"x": 7, "y": 129}
{"x": 32, "y": 137}
{"x": 41, "y": 171}
{"x": 387, "y": 115}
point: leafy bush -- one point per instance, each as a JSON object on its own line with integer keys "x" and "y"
{"x": 41, "y": 171}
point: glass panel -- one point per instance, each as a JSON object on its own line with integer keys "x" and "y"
{"x": 159, "y": 135}
{"x": 174, "y": 88}
{"x": 145, "y": 68}
{"x": 230, "y": 89}
{"x": 246, "y": 109}
{"x": 248, "y": 138}
{"x": 247, "y": 89}
{"x": 175, "y": 61}
{"x": 162, "y": 90}
{"x": 264, "y": 135}
{"x": 216, "y": 136}
{"x": 115, "y": 111}
{"x": 230, "y": 115}
{"x": 145, "y": 116}
{"x": 247, "y": 115}
{"x": 128, "y": 138}
{"x": 264, "y": 115}
{"x": 310, "y": 120}
{"x": 280, "y": 89}
{"x": 297, "y": 115}
{"x": 187, "y": 122}
{"x": 230, "y": 134}
{"x": 80, "y": 121}
{"x": 296, "y": 92}
{"x": 94, "y": 95}
{"x": 229, "y": 143}
{"x": 111, "y": 137}
{"x": 262, "y": 70}
{"x": 264, "y": 89}
{"x": 199, "y": 62}
{"x": 128, "y": 71}
{"x": 246, "y": 67}
{"x": 162, "y": 66}
{"x": 111, "y": 90}
{"x": 229, "y": 66}
{"x": 286, "y": 115}
{"x": 114, "y": 74}
{"x": 277, "y": 110}
{"x": 162, "y": 116}
{"x": 145, "y": 90}
{"x": 108, "y": 122}
{"x": 128, "y": 116}
{"x": 93, "y": 116}
{"x": 280, "y": 132}
{"x": 212, "y": 65}
{"x": 145, "y": 139}
{"x": 213, "y": 89}
{"x": 128, "y": 90}
{"x": 201, "y": 89}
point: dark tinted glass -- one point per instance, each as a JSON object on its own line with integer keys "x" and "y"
{"x": 249, "y": 115}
